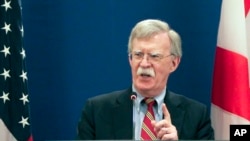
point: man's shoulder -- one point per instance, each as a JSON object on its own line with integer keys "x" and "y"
{"x": 109, "y": 96}
{"x": 106, "y": 100}
{"x": 184, "y": 101}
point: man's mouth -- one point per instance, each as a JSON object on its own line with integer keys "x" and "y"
{"x": 145, "y": 75}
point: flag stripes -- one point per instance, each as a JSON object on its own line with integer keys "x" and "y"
{"x": 231, "y": 78}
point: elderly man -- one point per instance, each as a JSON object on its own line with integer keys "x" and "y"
{"x": 147, "y": 110}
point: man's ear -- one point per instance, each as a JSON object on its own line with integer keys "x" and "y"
{"x": 130, "y": 60}
{"x": 175, "y": 63}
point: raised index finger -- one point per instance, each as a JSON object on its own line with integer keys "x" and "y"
{"x": 166, "y": 113}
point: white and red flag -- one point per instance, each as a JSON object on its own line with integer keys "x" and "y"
{"x": 231, "y": 78}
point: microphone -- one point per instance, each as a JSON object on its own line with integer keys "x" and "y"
{"x": 133, "y": 98}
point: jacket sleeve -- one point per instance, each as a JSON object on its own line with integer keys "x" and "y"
{"x": 86, "y": 128}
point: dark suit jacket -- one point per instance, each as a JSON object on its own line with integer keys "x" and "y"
{"x": 109, "y": 116}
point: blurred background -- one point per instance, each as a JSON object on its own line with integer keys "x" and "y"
{"x": 76, "y": 49}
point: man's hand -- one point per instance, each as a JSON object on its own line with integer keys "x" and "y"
{"x": 164, "y": 128}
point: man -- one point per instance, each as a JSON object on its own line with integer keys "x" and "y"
{"x": 154, "y": 53}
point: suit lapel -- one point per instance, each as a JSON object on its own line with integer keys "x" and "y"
{"x": 122, "y": 115}
{"x": 176, "y": 113}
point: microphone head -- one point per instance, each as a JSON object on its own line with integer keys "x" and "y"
{"x": 133, "y": 96}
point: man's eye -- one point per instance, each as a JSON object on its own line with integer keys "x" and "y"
{"x": 155, "y": 56}
{"x": 138, "y": 54}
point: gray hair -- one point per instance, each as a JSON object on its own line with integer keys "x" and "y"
{"x": 148, "y": 28}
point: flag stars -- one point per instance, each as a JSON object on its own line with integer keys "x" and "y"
{"x": 6, "y": 5}
{"x": 23, "y": 53}
{"x": 22, "y": 31}
{"x": 6, "y": 73}
{"x": 6, "y": 28}
{"x": 24, "y": 98}
{"x": 5, "y": 97}
{"x": 24, "y": 75}
{"x": 14, "y": 95}
{"x": 6, "y": 51}
{"x": 24, "y": 121}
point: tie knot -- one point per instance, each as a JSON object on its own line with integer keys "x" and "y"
{"x": 149, "y": 101}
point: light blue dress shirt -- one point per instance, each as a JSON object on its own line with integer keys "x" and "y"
{"x": 140, "y": 108}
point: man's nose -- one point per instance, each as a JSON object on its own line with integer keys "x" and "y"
{"x": 145, "y": 62}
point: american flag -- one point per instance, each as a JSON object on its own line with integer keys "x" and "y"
{"x": 14, "y": 100}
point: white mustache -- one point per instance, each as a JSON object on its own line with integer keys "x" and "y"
{"x": 146, "y": 71}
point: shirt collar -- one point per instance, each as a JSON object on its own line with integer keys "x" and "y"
{"x": 159, "y": 99}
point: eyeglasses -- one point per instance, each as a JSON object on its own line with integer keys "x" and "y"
{"x": 152, "y": 57}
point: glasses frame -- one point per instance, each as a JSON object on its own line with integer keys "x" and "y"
{"x": 151, "y": 57}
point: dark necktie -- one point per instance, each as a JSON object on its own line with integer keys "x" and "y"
{"x": 147, "y": 131}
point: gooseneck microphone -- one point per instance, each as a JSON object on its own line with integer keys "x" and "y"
{"x": 133, "y": 98}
